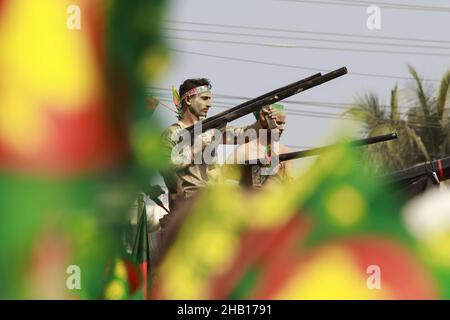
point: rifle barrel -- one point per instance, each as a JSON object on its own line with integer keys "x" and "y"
{"x": 320, "y": 150}
{"x": 441, "y": 167}
{"x": 264, "y": 100}
{"x": 273, "y": 92}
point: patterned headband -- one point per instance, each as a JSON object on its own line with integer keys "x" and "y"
{"x": 177, "y": 99}
{"x": 196, "y": 90}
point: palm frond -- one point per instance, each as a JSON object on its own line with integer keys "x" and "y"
{"x": 367, "y": 109}
{"x": 442, "y": 95}
{"x": 421, "y": 95}
{"x": 415, "y": 138}
{"x": 395, "y": 113}
{"x": 384, "y": 155}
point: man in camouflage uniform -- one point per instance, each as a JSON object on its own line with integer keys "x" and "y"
{"x": 184, "y": 179}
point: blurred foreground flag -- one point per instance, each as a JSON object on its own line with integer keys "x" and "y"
{"x": 72, "y": 81}
{"x": 335, "y": 233}
{"x": 53, "y": 115}
{"x": 427, "y": 217}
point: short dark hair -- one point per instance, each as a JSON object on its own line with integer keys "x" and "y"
{"x": 189, "y": 84}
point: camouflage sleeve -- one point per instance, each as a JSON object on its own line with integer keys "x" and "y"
{"x": 177, "y": 156}
{"x": 181, "y": 154}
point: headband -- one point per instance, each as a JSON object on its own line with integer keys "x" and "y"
{"x": 195, "y": 91}
{"x": 177, "y": 99}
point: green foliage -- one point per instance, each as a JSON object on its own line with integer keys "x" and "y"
{"x": 423, "y": 129}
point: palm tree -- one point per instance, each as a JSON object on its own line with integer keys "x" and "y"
{"x": 424, "y": 130}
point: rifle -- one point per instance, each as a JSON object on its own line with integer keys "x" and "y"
{"x": 266, "y": 95}
{"x": 320, "y": 150}
{"x": 438, "y": 170}
{"x": 272, "y": 97}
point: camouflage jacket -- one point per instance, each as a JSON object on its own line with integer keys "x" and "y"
{"x": 184, "y": 179}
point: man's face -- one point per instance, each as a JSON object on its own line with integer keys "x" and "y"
{"x": 199, "y": 104}
{"x": 281, "y": 121}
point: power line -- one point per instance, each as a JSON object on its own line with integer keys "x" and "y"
{"x": 239, "y": 99}
{"x": 297, "y": 112}
{"x": 293, "y": 66}
{"x": 310, "y": 47}
{"x": 349, "y": 35}
{"x": 403, "y": 5}
{"x": 384, "y": 4}
{"x": 327, "y": 115}
{"x": 261, "y": 44}
{"x": 307, "y": 39}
